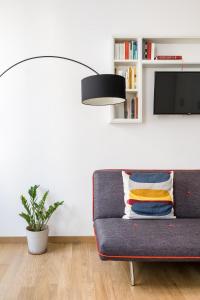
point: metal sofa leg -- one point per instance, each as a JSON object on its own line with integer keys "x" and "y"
{"x": 132, "y": 272}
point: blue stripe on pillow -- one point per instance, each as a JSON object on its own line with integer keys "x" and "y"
{"x": 149, "y": 177}
{"x": 152, "y": 208}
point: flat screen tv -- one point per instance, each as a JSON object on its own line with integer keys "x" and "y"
{"x": 177, "y": 93}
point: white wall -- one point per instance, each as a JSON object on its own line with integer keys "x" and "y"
{"x": 47, "y": 136}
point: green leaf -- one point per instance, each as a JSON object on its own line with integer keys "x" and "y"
{"x": 25, "y": 204}
{"x": 42, "y": 201}
{"x": 25, "y": 217}
{"x": 33, "y": 191}
{"x": 52, "y": 208}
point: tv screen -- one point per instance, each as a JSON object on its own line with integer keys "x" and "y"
{"x": 177, "y": 93}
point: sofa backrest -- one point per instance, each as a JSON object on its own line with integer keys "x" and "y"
{"x": 109, "y": 195}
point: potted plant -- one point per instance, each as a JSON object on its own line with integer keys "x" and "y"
{"x": 37, "y": 218}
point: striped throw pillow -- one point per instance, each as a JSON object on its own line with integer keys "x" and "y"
{"x": 148, "y": 195}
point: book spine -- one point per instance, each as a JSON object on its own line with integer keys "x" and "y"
{"x": 120, "y": 50}
{"x": 132, "y": 54}
{"x": 135, "y": 51}
{"x": 136, "y": 107}
{"x": 149, "y": 50}
{"x": 122, "y": 56}
{"x": 169, "y": 57}
{"x": 127, "y": 79}
{"x": 130, "y": 77}
{"x": 130, "y": 50}
{"x": 119, "y": 47}
{"x": 128, "y": 109}
{"x": 116, "y": 51}
{"x": 153, "y": 51}
{"x": 125, "y": 110}
{"x": 123, "y": 50}
{"x": 145, "y": 50}
{"x": 126, "y": 45}
{"x": 135, "y": 77}
{"x": 132, "y": 108}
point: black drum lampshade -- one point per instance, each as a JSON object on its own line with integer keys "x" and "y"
{"x": 105, "y": 89}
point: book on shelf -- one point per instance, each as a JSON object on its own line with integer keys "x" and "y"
{"x": 149, "y": 44}
{"x": 136, "y": 107}
{"x": 169, "y": 57}
{"x": 130, "y": 75}
{"x": 126, "y": 50}
{"x": 131, "y": 108}
{"x": 148, "y": 50}
{"x": 126, "y": 109}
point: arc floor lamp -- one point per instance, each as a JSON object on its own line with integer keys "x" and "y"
{"x": 99, "y": 89}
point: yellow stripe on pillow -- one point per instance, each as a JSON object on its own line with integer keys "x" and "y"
{"x": 145, "y": 195}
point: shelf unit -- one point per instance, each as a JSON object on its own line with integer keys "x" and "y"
{"x": 187, "y": 47}
{"x": 117, "y": 111}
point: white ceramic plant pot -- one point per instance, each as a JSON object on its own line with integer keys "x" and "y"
{"x": 37, "y": 240}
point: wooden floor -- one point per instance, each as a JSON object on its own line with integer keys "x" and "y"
{"x": 73, "y": 271}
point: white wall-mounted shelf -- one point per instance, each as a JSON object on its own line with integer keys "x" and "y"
{"x": 131, "y": 90}
{"x": 187, "y": 47}
{"x": 125, "y": 61}
{"x": 125, "y": 121}
{"x": 169, "y": 63}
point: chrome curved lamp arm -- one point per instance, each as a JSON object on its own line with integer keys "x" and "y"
{"x": 48, "y": 56}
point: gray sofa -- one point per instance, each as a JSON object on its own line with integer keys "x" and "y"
{"x": 146, "y": 240}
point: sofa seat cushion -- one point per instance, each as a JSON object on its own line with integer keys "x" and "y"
{"x": 174, "y": 239}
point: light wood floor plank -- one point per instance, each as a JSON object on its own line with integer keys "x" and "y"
{"x": 73, "y": 271}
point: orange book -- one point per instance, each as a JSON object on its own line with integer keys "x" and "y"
{"x": 126, "y": 50}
